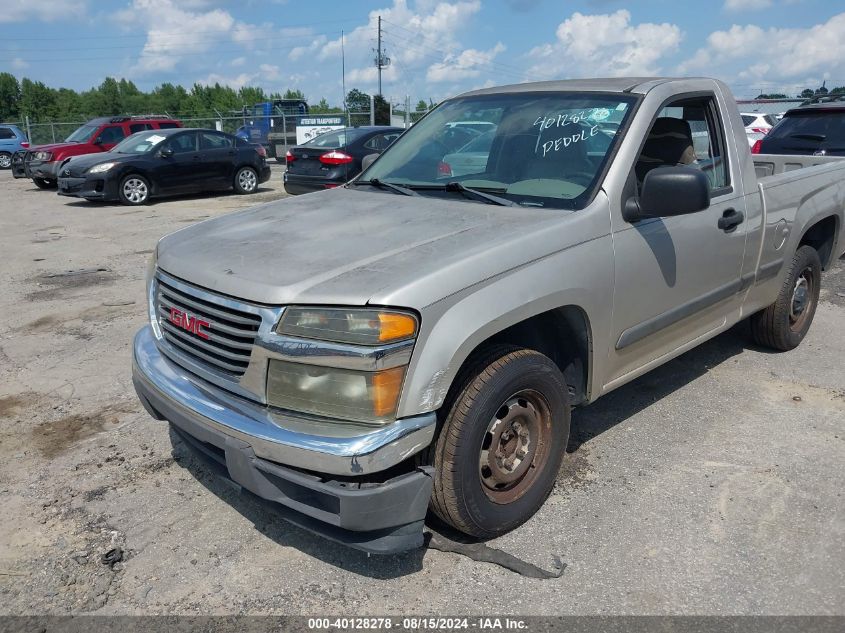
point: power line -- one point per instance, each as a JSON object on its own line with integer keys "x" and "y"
{"x": 171, "y": 34}
{"x": 164, "y": 48}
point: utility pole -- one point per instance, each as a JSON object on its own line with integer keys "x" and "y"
{"x": 381, "y": 60}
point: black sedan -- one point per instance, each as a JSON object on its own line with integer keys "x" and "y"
{"x": 164, "y": 162}
{"x": 333, "y": 158}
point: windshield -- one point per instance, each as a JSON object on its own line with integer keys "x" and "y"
{"x": 338, "y": 138}
{"x": 139, "y": 143}
{"x": 544, "y": 149}
{"x": 82, "y": 134}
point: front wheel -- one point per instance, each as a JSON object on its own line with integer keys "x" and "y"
{"x": 246, "y": 180}
{"x": 44, "y": 183}
{"x": 134, "y": 190}
{"x": 5, "y": 160}
{"x": 502, "y": 442}
{"x": 785, "y": 323}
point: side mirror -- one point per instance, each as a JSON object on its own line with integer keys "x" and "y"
{"x": 367, "y": 161}
{"x": 669, "y": 191}
{"x": 166, "y": 152}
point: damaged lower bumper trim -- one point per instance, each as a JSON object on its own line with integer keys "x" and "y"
{"x": 380, "y": 518}
{"x": 379, "y": 512}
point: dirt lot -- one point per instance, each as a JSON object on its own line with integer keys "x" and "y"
{"x": 713, "y": 485}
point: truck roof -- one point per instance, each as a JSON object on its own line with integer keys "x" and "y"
{"x": 638, "y": 85}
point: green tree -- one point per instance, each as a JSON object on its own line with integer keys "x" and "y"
{"x": 293, "y": 94}
{"x": 773, "y": 95}
{"x": 807, "y": 93}
{"x": 37, "y": 101}
{"x": 357, "y": 101}
{"x": 382, "y": 108}
{"x": 422, "y": 106}
{"x": 10, "y": 97}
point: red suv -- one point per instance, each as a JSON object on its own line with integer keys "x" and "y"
{"x": 41, "y": 163}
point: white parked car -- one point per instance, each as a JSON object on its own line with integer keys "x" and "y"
{"x": 756, "y": 122}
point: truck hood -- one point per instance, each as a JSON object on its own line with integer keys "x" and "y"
{"x": 353, "y": 247}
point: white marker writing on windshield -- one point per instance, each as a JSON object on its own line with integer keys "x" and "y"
{"x": 565, "y": 141}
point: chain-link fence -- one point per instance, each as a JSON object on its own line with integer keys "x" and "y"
{"x": 280, "y": 131}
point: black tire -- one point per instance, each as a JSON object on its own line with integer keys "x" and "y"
{"x": 785, "y": 323}
{"x": 44, "y": 183}
{"x": 5, "y": 160}
{"x": 246, "y": 181}
{"x": 134, "y": 190}
{"x": 489, "y": 401}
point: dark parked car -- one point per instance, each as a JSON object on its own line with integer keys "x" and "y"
{"x": 817, "y": 129}
{"x": 164, "y": 162}
{"x": 333, "y": 158}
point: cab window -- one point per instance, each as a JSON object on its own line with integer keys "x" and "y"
{"x": 687, "y": 132}
{"x": 139, "y": 127}
{"x": 111, "y": 135}
{"x": 167, "y": 125}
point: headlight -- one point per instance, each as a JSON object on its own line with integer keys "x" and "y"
{"x": 43, "y": 156}
{"x": 354, "y": 326}
{"x": 342, "y": 393}
{"x": 336, "y": 393}
{"x": 99, "y": 169}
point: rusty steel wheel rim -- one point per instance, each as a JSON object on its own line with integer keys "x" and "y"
{"x": 515, "y": 447}
{"x": 800, "y": 305}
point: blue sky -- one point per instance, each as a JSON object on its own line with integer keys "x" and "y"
{"x": 437, "y": 48}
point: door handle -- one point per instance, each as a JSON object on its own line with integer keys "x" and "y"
{"x": 730, "y": 219}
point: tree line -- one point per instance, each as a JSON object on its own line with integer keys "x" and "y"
{"x": 807, "y": 93}
{"x": 43, "y": 104}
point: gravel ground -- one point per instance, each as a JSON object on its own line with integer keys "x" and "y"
{"x": 713, "y": 485}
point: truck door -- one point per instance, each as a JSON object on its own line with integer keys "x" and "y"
{"x": 677, "y": 278}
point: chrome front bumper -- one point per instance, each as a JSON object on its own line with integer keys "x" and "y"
{"x": 336, "y": 448}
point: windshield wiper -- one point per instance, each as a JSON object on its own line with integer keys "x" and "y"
{"x": 478, "y": 195}
{"x": 381, "y": 184}
{"x": 810, "y": 137}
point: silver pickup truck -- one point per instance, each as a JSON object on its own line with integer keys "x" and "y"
{"x": 415, "y": 341}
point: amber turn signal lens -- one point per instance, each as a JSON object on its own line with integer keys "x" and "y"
{"x": 394, "y": 326}
{"x": 385, "y": 391}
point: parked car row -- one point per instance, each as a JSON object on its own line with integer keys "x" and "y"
{"x": 133, "y": 159}
{"x": 12, "y": 140}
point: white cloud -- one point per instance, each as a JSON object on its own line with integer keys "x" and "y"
{"x": 237, "y": 62}
{"x": 774, "y": 55}
{"x": 236, "y": 82}
{"x": 606, "y": 44}
{"x": 416, "y": 38}
{"x": 466, "y": 64}
{"x": 747, "y": 5}
{"x": 167, "y": 42}
{"x": 45, "y": 10}
{"x": 19, "y": 63}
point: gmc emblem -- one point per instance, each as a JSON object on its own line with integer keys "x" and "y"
{"x": 190, "y": 323}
